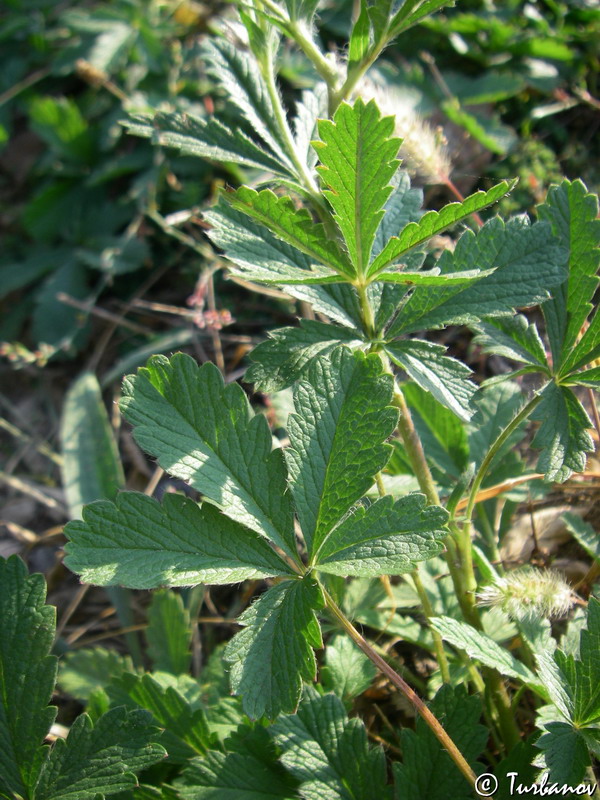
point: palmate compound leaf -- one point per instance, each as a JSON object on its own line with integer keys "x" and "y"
{"x": 204, "y": 138}
{"x": 185, "y": 730}
{"x": 573, "y": 684}
{"x": 387, "y": 538}
{"x": 101, "y": 759}
{"x": 288, "y": 353}
{"x": 92, "y": 760}
{"x": 527, "y": 262}
{"x": 249, "y": 769}
{"x": 426, "y": 771}
{"x": 330, "y": 754}
{"x": 139, "y": 543}
{"x": 563, "y": 434}
{"x": 583, "y": 674}
{"x": 433, "y": 223}
{"x": 273, "y": 653}
{"x": 205, "y": 433}
{"x": 573, "y": 213}
{"x": 337, "y": 438}
{"x": 27, "y": 676}
{"x": 358, "y": 160}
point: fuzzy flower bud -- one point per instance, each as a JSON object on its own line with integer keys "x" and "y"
{"x": 529, "y": 592}
{"x": 423, "y": 149}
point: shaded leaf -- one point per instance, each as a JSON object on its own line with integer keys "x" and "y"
{"x": 99, "y": 759}
{"x": 273, "y": 653}
{"x": 27, "y": 676}
{"x": 512, "y": 337}
{"x": 286, "y": 356}
{"x": 88, "y": 669}
{"x": 91, "y": 468}
{"x": 169, "y": 632}
{"x": 563, "y": 434}
{"x": 330, "y": 754}
{"x": 184, "y": 725}
{"x": 443, "y": 376}
{"x": 426, "y": 771}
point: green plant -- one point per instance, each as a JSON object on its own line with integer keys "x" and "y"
{"x": 351, "y": 241}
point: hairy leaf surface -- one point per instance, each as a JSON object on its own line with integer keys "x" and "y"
{"x": 139, "y": 543}
{"x": 512, "y": 337}
{"x": 330, "y": 754}
{"x": 387, "y": 538}
{"x": 205, "y": 432}
{"x": 286, "y": 356}
{"x": 563, "y": 435}
{"x": 185, "y": 730}
{"x": 337, "y": 438}
{"x": 245, "y": 87}
{"x": 480, "y": 646}
{"x": 358, "y": 160}
{"x": 211, "y": 139}
{"x": 292, "y": 225}
{"x": 443, "y": 376}
{"x": 27, "y": 675}
{"x": 99, "y": 759}
{"x": 273, "y": 653}
{"x": 527, "y": 261}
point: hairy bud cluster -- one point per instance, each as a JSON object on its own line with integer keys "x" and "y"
{"x": 423, "y": 149}
{"x": 529, "y": 592}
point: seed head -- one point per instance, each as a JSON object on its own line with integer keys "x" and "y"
{"x": 423, "y": 149}
{"x": 529, "y": 592}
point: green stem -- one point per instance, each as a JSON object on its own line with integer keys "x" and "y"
{"x": 366, "y": 310}
{"x": 491, "y": 453}
{"x": 429, "y": 718}
{"x": 325, "y": 68}
{"x": 414, "y": 449}
{"x": 268, "y": 72}
{"x": 429, "y": 612}
{"x": 353, "y": 77}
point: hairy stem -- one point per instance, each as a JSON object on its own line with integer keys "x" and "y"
{"x": 414, "y": 449}
{"x": 429, "y": 718}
